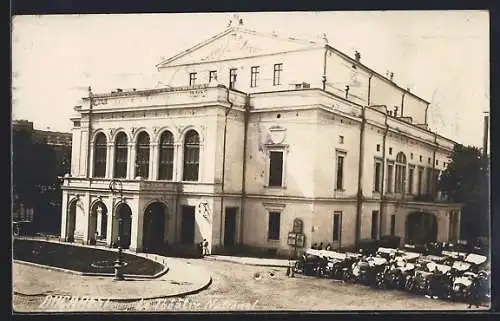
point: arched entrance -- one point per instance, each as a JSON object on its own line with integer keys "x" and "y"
{"x": 124, "y": 221}
{"x": 421, "y": 228}
{"x": 154, "y": 227}
{"x": 98, "y": 222}
{"x": 71, "y": 222}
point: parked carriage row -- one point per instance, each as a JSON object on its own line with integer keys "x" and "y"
{"x": 450, "y": 275}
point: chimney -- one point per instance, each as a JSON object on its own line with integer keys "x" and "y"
{"x": 357, "y": 56}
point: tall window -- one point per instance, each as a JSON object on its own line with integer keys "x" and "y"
{"x": 212, "y": 75}
{"x": 142, "y": 155}
{"x": 378, "y": 176}
{"x": 254, "y": 73}
{"x": 192, "y": 78}
{"x": 389, "y": 177}
{"x": 340, "y": 171}
{"x": 393, "y": 225}
{"x": 275, "y": 168}
{"x": 191, "y": 156}
{"x": 100, "y": 147}
{"x": 411, "y": 171}
{"x": 419, "y": 182}
{"x": 166, "y": 169}
{"x": 400, "y": 172}
{"x": 374, "y": 225}
{"x": 232, "y": 77}
{"x": 337, "y": 225}
{"x": 121, "y": 154}
{"x": 278, "y": 68}
{"x": 273, "y": 231}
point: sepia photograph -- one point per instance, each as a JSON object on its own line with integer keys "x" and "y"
{"x": 251, "y": 161}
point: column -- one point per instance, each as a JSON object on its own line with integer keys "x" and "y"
{"x": 64, "y": 213}
{"x": 152, "y": 161}
{"x": 178, "y": 159}
{"x": 131, "y": 161}
{"x": 443, "y": 223}
{"x": 136, "y": 232}
{"x": 91, "y": 159}
{"x": 99, "y": 220}
{"x": 109, "y": 161}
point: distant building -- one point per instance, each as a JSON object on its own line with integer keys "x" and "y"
{"x": 59, "y": 141}
{"x": 257, "y": 136}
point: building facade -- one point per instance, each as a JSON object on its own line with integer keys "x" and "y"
{"x": 253, "y": 135}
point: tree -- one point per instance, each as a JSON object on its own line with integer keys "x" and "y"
{"x": 36, "y": 167}
{"x": 466, "y": 180}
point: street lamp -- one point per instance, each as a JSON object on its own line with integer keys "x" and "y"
{"x": 116, "y": 186}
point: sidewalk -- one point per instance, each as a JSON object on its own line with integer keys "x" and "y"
{"x": 182, "y": 278}
{"x": 249, "y": 260}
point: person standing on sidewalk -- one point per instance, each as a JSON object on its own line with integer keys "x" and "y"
{"x": 205, "y": 247}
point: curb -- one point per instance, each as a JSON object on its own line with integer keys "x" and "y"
{"x": 58, "y": 269}
{"x": 284, "y": 265}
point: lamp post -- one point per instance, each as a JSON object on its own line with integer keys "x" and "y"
{"x": 117, "y": 186}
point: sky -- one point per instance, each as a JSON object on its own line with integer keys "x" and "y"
{"x": 442, "y": 56}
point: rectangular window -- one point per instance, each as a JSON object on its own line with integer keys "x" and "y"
{"x": 273, "y": 232}
{"x": 374, "y": 225}
{"x": 410, "y": 180}
{"x": 192, "y": 78}
{"x": 378, "y": 176}
{"x": 390, "y": 150}
{"x": 341, "y": 139}
{"x": 254, "y": 73}
{"x": 232, "y": 77}
{"x": 389, "y": 178}
{"x": 393, "y": 225}
{"x": 419, "y": 182}
{"x": 337, "y": 225}
{"x": 378, "y": 147}
{"x": 278, "y": 68}
{"x": 212, "y": 75}
{"x": 275, "y": 168}
{"x": 340, "y": 172}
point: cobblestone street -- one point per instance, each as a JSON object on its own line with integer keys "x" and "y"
{"x": 246, "y": 287}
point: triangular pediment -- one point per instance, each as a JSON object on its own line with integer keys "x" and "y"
{"x": 237, "y": 43}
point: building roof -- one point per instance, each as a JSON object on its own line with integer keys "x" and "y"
{"x": 294, "y": 44}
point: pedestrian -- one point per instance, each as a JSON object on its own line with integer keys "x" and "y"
{"x": 473, "y": 295}
{"x": 205, "y": 247}
{"x": 321, "y": 246}
{"x": 314, "y": 246}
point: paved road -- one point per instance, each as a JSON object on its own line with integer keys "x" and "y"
{"x": 246, "y": 287}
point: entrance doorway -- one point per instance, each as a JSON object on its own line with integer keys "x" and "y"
{"x": 154, "y": 227}
{"x": 71, "y": 222}
{"x": 421, "y": 228}
{"x": 98, "y": 222}
{"x": 230, "y": 226}
{"x": 124, "y": 225}
{"x": 188, "y": 225}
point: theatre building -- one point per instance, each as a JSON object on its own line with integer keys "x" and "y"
{"x": 253, "y": 135}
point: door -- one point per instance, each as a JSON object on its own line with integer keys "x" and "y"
{"x": 187, "y": 225}
{"x": 230, "y": 226}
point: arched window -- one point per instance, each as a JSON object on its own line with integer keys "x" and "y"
{"x": 121, "y": 153}
{"x": 142, "y": 155}
{"x": 100, "y": 146}
{"x": 400, "y": 172}
{"x": 191, "y": 156}
{"x": 166, "y": 156}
